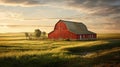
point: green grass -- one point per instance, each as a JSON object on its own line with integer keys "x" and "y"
{"x": 96, "y": 48}
{"x": 46, "y": 60}
{"x": 16, "y": 51}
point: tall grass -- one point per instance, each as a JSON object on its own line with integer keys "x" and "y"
{"x": 19, "y": 52}
{"x": 108, "y": 36}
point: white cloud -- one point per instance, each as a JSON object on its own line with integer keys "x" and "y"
{"x": 7, "y": 15}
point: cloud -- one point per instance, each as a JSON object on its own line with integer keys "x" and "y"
{"x": 104, "y": 12}
{"x": 30, "y": 3}
{"x": 20, "y": 2}
{"x": 94, "y": 3}
{"x": 100, "y": 7}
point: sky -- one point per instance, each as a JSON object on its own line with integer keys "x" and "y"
{"x": 100, "y": 16}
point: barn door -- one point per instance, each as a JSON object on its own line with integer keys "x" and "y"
{"x": 80, "y": 37}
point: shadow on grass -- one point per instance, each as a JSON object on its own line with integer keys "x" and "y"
{"x": 109, "y": 60}
{"x": 84, "y": 50}
{"x": 56, "y": 61}
{"x": 33, "y": 61}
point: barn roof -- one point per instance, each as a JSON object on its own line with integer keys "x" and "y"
{"x": 77, "y": 27}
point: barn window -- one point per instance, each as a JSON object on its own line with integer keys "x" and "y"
{"x": 80, "y": 37}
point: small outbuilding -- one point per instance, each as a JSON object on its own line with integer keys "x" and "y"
{"x": 71, "y": 30}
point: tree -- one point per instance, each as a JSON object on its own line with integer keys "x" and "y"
{"x": 27, "y": 35}
{"x": 37, "y": 33}
{"x": 30, "y": 36}
{"x": 44, "y": 33}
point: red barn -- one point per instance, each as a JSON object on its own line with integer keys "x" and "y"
{"x": 71, "y": 30}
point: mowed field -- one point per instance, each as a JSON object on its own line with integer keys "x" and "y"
{"x": 16, "y": 51}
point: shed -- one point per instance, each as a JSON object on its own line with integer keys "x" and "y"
{"x": 71, "y": 30}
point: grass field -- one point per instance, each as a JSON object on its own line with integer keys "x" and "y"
{"x": 16, "y": 51}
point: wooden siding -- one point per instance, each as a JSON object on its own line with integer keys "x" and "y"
{"x": 61, "y": 32}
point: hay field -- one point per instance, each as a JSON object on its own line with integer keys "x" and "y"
{"x": 16, "y": 51}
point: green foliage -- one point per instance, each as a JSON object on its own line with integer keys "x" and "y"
{"x": 37, "y": 33}
{"x": 44, "y": 33}
{"x": 28, "y": 35}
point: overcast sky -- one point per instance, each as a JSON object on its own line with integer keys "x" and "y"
{"x": 100, "y": 16}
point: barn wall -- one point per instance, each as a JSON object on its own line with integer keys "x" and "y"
{"x": 61, "y": 32}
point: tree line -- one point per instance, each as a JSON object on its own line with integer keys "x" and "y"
{"x": 36, "y": 35}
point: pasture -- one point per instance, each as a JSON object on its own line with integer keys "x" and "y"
{"x": 16, "y": 51}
